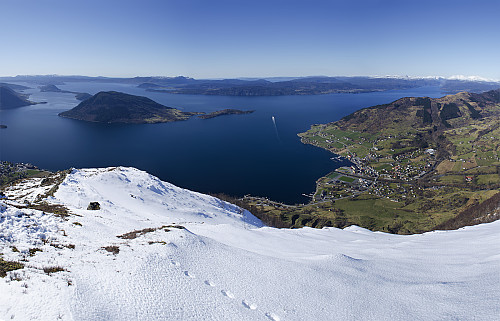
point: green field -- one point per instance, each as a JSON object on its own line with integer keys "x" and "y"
{"x": 347, "y": 179}
{"x": 488, "y": 179}
{"x": 453, "y": 179}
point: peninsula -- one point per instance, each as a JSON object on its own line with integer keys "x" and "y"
{"x": 117, "y": 107}
{"x": 417, "y": 164}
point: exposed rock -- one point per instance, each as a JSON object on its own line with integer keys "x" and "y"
{"x": 94, "y": 206}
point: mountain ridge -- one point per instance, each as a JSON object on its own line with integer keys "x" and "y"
{"x": 421, "y": 112}
{"x": 276, "y": 86}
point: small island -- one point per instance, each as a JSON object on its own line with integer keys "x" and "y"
{"x": 118, "y": 107}
{"x": 55, "y": 89}
{"x": 225, "y": 112}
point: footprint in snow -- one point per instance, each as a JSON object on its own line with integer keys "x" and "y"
{"x": 248, "y": 305}
{"x": 229, "y": 294}
{"x": 210, "y": 283}
{"x": 187, "y": 273}
{"x": 272, "y": 316}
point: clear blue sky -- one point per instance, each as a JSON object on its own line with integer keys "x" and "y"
{"x": 218, "y": 38}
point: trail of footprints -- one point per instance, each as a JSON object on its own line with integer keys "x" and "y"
{"x": 251, "y": 306}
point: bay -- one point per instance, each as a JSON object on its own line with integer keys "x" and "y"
{"x": 235, "y": 154}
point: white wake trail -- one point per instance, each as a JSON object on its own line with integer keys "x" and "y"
{"x": 276, "y": 128}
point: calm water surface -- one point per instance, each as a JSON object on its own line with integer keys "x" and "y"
{"x": 237, "y": 154}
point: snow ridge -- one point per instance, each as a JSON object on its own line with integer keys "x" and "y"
{"x": 155, "y": 251}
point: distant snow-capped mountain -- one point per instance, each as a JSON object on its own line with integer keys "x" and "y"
{"x": 148, "y": 250}
{"x": 472, "y": 78}
{"x": 454, "y": 77}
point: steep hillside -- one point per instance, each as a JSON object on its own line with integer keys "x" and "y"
{"x": 11, "y": 99}
{"x": 422, "y": 113}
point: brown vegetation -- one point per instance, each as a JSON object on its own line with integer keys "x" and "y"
{"x": 135, "y": 234}
{"x": 56, "y": 209}
{"x": 6, "y": 266}
{"x": 53, "y": 269}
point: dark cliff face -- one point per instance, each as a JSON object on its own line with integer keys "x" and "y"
{"x": 10, "y": 99}
{"x": 117, "y": 107}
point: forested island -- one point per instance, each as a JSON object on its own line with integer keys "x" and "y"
{"x": 117, "y": 107}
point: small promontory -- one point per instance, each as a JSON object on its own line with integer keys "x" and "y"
{"x": 118, "y": 107}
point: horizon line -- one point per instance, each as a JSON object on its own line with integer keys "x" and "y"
{"x": 453, "y": 77}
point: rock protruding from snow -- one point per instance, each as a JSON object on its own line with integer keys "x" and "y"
{"x": 94, "y": 206}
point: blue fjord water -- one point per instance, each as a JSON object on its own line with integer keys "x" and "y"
{"x": 236, "y": 154}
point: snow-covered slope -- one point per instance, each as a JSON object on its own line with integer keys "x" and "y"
{"x": 194, "y": 257}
